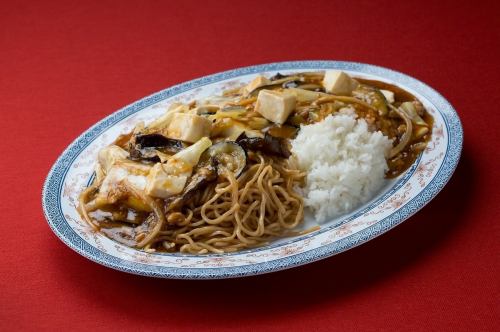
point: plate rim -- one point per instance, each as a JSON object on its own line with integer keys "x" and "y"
{"x": 51, "y": 195}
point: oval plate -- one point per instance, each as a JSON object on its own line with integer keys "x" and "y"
{"x": 396, "y": 202}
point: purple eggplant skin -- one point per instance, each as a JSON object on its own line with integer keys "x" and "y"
{"x": 269, "y": 144}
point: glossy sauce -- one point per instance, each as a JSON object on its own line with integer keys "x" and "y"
{"x": 124, "y": 224}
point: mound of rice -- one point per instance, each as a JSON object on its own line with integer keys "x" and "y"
{"x": 344, "y": 161}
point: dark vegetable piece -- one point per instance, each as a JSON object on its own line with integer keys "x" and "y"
{"x": 203, "y": 175}
{"x": 269, "y": 144}
{"x": 275, "y": 84}
{"x": 124, "y": 235}
{"x": 283, "y": 131}
{"x": 227, "y": 156}
{"x": 148, "y": 154}
{"x": 158, "y": 141}
{"x": 144, "y": 146}
{"x": 278, "y": 76}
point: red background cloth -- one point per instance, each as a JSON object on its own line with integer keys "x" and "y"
{"x": 66, "y": 64}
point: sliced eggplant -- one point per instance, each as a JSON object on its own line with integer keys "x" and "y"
{"x": 372, "y": 96}
{"x": 227, "y": 156}
{"x": 203, "y": 175}
{"x": 269, "y": 144}
{"x": 410, "y": 110}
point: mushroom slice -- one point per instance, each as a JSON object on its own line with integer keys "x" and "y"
{"x": 145, "y": 147}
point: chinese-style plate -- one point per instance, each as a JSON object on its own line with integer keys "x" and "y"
{"x": 396, "y": 202}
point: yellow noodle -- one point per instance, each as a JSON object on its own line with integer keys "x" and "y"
{"x": 230, "y": 215}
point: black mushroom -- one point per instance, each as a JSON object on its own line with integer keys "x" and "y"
{"x": 269, "y": 144}
{"x": 145, "y": 146}
{"x": 278, "y": 76}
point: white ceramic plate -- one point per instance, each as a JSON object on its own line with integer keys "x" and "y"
{"x": 400, "y": 198}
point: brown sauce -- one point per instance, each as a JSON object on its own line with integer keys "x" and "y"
{"x": 123, "y": 224}
{"x": 407, "y": 157}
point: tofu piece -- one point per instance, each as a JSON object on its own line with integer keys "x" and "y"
{"x": 165, "y": 180}
{"x": 338, "y": 82}
{"x": 162, "y": 122}
{"x": 122, "y": 173}
{"x": 163, "y": 185}
{"x": 389, "y": 96}
{"x": 188, "y": 127}
{"x": 109, "y": 155}
{"x": 275, "y": 106}
{"x": 255, "y": 83}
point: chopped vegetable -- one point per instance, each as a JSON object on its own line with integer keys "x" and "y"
{"x": 152, "y": 147}
{"x": 169, "y": 179}
{"x": 227, "y": 156}
{"x": 274, "y": 84}
{"x": 269, "y": 144}
{"x": 389, "y": 96}
{"x": 409, "y": 109}
{"x": 373, "y": 97}
{"x": 406, "y": 137}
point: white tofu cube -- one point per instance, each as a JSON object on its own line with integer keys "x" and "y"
{"x": 163, "y": 185}
{"x": 122, "y": 173}
{"x": 256, "y": 82}
{"x": 338, "y": 82}
{"x": 109, "y": 155}
{"x": 188, "y": 127}
{"x": 275, "y": 106}
{"x": 389, "y": 96}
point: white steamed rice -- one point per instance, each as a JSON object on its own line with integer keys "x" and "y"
{"x": 344, "y": 161}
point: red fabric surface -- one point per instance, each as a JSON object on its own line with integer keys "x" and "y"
{"x": 66, "y": 64}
